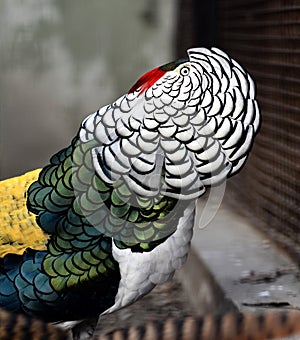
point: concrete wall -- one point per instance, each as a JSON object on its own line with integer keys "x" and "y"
{"x": 62, "y": 59}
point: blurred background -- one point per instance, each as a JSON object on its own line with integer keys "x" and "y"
{"x": 62, "y": 59}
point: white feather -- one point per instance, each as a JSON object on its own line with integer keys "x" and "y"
{"x": 136, "y": 282}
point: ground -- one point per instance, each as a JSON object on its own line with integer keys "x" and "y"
{"x": 166, "y": 300}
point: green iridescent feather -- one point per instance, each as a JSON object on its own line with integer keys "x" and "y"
{"x": 82, "y": 213}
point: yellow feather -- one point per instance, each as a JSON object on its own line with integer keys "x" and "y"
{"x": 18, "y": 227}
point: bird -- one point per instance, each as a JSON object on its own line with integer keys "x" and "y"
{"x": 112, "y": 214}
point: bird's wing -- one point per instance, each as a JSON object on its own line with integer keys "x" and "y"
{"x": 52, "y": 257}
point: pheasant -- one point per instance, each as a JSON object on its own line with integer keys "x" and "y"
{"x": 112, "y": 214}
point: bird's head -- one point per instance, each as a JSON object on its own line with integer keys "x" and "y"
{"x": 181, "y": 127}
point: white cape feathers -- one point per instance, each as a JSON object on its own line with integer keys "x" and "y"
{"x": 192, "y": 128}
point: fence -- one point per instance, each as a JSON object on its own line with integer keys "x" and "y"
{"x": 264, "y": 36}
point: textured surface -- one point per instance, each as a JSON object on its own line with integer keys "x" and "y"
{"x": 229, "y": 326}
{"x": 168, "y": 300}
{"x": 252, "y": 271}
{"x": 264, "y": 35}
{"x": 19, "y": 327}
